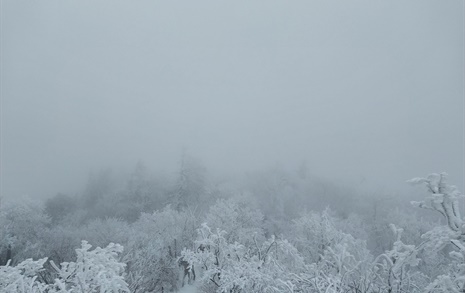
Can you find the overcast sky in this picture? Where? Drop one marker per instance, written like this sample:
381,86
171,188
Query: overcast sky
365,91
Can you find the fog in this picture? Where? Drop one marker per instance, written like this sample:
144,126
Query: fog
369,93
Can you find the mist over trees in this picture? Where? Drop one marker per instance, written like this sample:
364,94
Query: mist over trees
274,230
232,146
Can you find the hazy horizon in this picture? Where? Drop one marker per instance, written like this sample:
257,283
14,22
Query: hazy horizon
367,93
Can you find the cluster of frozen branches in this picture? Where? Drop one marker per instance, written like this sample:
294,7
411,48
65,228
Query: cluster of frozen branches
231,250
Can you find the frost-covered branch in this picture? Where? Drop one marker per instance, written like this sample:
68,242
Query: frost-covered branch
444,199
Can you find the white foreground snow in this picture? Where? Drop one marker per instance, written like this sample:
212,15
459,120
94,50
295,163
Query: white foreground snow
188,289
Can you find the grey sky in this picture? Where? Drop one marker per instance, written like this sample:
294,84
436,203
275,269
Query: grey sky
358,89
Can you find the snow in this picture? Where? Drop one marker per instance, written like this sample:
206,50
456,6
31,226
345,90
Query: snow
188,289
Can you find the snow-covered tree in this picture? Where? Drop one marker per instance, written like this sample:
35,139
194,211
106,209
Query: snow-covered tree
444,199
235,216
276,192
190,186
96,270
22,226
22,277
101,232
395,267
264,266
313,233
60,206
155,245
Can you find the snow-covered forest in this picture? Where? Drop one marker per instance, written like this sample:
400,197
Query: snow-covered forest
264,234
242,146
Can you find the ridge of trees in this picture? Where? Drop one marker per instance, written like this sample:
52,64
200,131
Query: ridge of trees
238,241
